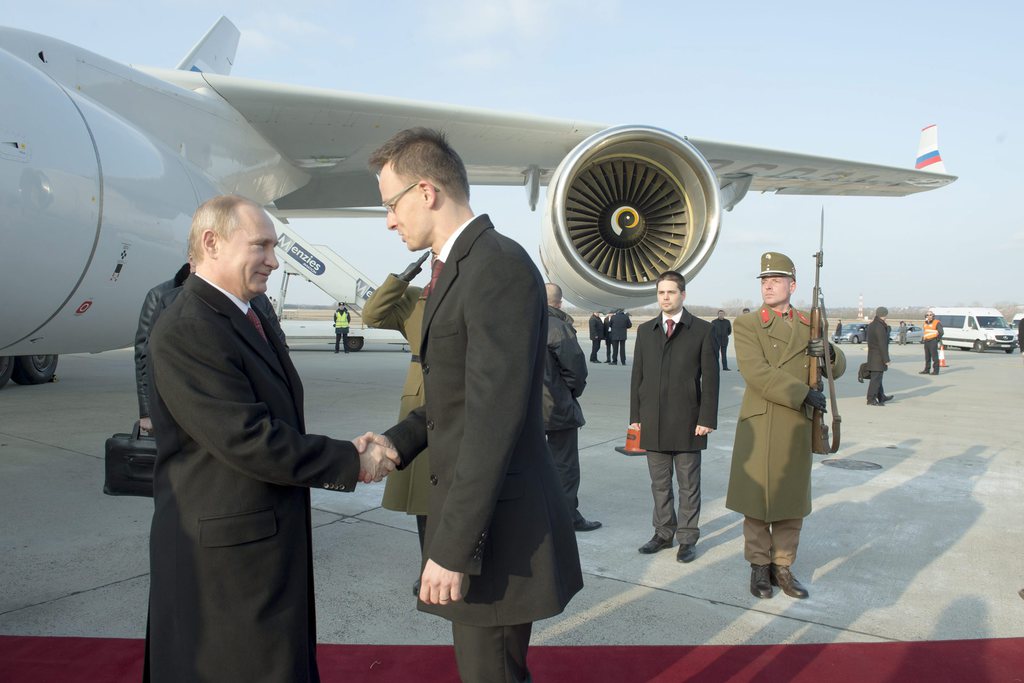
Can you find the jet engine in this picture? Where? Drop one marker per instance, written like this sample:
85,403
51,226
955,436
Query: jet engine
627,204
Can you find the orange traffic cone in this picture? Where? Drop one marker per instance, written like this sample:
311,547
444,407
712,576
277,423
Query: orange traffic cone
632,446
942,356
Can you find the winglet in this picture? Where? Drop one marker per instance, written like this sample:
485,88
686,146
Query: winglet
215,52
928,158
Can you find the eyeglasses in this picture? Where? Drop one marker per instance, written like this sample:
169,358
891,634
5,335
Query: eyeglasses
390,204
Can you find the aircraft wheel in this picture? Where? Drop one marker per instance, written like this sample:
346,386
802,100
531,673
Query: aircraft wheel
34,369
354,344
6,368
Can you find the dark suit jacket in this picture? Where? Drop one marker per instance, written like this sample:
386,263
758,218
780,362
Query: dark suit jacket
674,384
497,511
231,582
596,327
620,323
878,345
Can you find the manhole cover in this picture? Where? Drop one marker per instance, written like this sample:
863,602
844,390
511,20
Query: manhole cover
852,464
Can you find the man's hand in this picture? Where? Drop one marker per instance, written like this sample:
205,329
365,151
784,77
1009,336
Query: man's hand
377,457
634,425
701,430
816,348
413,269
816,400
146,425
439,586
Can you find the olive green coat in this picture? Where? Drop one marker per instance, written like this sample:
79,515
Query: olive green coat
397,306
770,478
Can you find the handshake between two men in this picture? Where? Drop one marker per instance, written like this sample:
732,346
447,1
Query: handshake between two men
377,457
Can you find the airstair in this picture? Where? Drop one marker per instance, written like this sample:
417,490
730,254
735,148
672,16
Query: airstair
322,266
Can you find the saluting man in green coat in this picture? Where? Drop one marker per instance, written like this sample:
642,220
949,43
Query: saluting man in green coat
770,480
396,305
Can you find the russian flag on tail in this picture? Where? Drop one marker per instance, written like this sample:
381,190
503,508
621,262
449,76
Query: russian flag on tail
928,158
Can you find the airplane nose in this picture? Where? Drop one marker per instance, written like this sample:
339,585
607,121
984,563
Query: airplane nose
49,197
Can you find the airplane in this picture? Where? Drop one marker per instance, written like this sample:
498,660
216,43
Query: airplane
102,165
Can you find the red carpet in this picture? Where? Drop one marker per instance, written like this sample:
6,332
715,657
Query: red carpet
26,659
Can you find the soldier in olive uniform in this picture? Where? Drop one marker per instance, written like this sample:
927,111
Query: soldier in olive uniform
770,479
397,306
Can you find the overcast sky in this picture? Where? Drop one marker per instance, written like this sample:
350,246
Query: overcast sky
856,81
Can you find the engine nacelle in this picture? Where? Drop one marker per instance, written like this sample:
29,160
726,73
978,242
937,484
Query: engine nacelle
627,204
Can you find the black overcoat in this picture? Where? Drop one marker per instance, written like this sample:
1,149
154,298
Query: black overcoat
231,582
878,345
497,510
674,385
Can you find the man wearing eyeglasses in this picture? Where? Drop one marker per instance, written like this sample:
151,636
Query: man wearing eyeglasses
500,550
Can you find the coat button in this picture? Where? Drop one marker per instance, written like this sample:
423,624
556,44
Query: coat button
426,369
433,480
430,424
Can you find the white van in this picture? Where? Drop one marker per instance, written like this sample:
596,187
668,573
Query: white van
976,328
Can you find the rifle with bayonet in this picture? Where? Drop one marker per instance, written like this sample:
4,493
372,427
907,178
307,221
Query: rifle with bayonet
822,366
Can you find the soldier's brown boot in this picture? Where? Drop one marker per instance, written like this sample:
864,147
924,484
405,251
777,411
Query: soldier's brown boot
760,582
784,579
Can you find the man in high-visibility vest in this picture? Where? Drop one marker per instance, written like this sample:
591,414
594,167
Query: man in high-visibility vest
932,337
341,320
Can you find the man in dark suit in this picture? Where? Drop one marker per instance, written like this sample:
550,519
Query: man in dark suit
878,356
721,329
500,551
673,400
596,335
231,578
620,323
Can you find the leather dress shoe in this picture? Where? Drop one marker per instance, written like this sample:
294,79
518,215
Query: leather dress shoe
585,525
686,553
655,544
935,372
925,372
760,581
784,579
875,403
885,399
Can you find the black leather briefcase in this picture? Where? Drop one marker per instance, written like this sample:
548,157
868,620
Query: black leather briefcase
129,460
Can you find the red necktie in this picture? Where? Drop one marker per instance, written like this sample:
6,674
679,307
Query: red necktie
670,325
254,319
435,272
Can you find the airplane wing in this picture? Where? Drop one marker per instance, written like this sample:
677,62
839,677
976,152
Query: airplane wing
330,135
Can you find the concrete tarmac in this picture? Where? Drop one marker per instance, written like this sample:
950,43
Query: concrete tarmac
928,546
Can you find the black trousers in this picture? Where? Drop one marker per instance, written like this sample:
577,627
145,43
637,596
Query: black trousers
595,347
931,355
492,654
341,337
565,452
608,350
722,347
875,390
618,350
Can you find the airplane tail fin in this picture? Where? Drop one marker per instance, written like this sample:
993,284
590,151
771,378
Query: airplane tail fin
928,158
215,52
